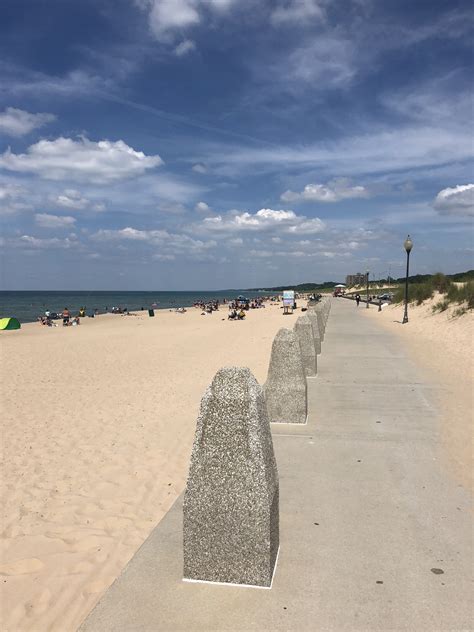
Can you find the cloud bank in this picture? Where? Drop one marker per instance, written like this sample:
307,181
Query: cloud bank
263,220
339,189
458,200
83,160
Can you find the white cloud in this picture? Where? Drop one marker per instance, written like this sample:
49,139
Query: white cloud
171,244
202,207
12,199
321,63
458,200
14,122
54,221
338,189
9,191
199,168
21,81
307,227
166,17
53,242
184,48
298,11
83,160
72,199
438,101
383,151
263,220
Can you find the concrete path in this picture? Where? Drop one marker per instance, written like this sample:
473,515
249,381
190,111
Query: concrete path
374,535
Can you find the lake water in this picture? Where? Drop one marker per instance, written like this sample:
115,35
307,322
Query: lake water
28,305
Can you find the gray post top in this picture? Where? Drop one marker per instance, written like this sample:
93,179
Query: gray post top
233,426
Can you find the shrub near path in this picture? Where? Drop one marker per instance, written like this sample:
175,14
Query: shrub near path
453,293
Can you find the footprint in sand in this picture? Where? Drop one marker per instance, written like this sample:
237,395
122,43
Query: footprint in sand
21,567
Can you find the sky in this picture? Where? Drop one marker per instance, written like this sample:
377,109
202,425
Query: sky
212,144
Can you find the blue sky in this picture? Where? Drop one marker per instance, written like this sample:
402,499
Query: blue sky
205,144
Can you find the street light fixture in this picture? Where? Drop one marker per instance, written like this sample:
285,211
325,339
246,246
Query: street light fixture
367,276
408,244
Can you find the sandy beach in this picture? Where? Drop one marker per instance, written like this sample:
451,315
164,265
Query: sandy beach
98,423
442,344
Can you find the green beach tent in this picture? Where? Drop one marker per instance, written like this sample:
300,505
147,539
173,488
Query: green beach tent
9,323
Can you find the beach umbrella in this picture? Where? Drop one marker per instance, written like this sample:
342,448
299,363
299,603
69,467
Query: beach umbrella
9,323
340,285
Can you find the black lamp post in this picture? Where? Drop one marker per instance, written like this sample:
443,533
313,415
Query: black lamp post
408,246
367,304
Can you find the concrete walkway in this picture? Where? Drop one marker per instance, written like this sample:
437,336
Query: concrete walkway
374,535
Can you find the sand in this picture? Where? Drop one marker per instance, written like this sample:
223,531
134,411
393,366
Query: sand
98,423
442,344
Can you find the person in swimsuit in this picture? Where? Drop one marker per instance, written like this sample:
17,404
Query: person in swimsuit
66,316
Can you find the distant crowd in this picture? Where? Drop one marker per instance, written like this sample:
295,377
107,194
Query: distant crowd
237,308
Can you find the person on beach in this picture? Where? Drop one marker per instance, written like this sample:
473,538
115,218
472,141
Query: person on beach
66,316
357,299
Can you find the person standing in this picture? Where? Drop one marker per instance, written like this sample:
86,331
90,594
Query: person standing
66,315
357,299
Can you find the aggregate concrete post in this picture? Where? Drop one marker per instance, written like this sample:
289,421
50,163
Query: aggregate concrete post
325,308
313,317
231,503
304,333
317,309
285,388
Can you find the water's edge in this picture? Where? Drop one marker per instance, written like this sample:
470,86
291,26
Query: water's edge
26,306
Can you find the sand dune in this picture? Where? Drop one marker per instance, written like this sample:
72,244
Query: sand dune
98,427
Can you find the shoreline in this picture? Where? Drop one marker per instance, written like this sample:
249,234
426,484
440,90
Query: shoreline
223,308
28,312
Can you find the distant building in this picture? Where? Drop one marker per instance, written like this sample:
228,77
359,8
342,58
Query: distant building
356,279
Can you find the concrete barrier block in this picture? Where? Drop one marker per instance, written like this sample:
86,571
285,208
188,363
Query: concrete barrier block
285,388
304,333
318,310
231,503
313,317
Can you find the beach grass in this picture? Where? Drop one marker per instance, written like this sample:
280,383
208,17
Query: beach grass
452,293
